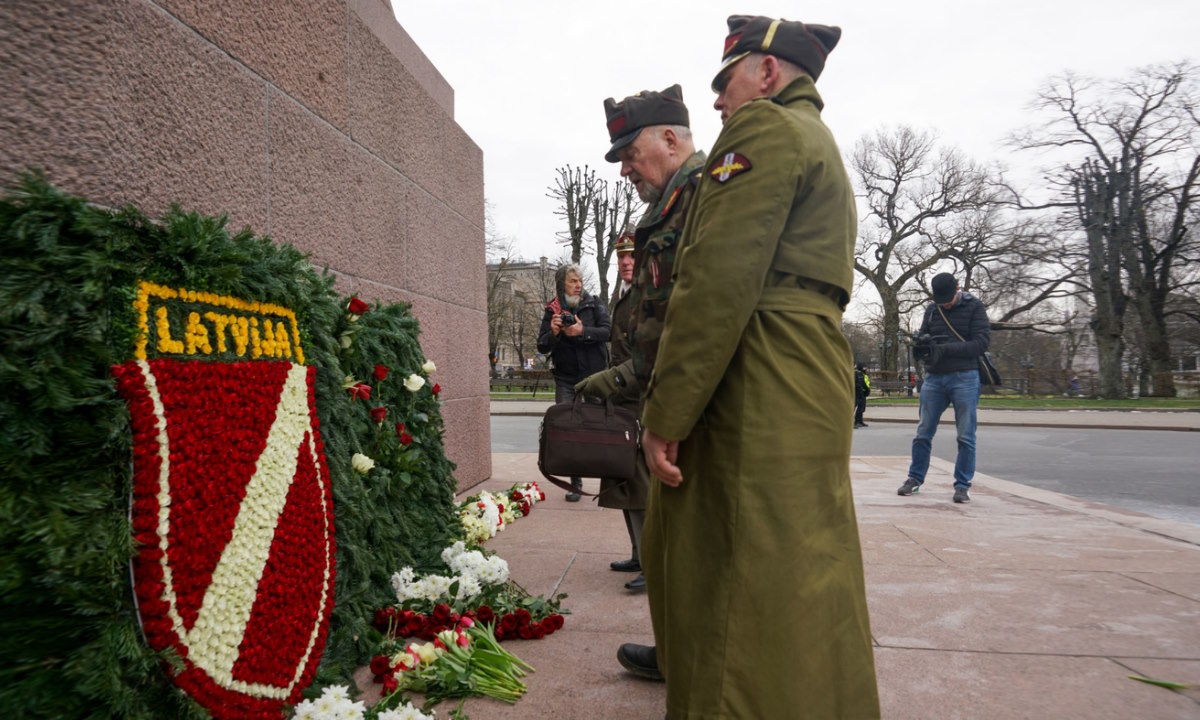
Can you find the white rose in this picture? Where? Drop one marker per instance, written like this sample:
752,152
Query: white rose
414,382
361,463
428,367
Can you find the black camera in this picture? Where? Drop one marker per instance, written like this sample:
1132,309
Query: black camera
568,318
923,345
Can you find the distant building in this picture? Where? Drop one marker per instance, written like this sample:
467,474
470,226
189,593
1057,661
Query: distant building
516,295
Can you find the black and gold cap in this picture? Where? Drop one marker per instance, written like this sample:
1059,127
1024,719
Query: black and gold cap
627,119
797,42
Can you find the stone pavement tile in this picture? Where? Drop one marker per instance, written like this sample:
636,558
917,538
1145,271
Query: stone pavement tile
1186,584
599,601
922,684
1047,542
1184,672
885,544
1013,611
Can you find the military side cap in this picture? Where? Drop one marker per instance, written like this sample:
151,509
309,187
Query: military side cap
796,42
627,119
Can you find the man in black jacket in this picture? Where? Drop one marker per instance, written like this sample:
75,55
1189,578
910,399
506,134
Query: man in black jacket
574,332
954,333
862,388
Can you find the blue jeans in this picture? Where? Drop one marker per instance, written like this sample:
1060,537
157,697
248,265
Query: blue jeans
940,391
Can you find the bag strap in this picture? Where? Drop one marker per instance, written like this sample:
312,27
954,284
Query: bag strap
947,321
564,484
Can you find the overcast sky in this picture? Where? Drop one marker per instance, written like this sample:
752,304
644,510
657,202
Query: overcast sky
530,78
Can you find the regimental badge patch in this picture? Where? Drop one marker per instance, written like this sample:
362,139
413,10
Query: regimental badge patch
728,165
233,515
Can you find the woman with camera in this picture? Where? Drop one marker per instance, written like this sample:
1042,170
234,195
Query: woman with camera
574,333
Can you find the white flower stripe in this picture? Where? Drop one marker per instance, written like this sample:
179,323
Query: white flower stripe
214,640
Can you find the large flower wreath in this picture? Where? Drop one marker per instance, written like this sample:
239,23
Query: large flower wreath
232,503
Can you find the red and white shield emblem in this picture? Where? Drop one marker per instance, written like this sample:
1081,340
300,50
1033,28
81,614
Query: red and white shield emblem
233,511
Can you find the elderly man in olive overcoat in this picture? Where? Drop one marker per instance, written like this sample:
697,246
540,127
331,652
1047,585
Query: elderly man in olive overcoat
750,550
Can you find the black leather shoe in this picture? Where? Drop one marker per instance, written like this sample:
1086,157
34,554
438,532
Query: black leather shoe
640,660
573,497
638,583
630,565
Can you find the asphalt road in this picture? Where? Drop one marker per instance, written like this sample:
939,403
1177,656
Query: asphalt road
1153,472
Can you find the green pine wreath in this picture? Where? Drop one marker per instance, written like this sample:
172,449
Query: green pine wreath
68,278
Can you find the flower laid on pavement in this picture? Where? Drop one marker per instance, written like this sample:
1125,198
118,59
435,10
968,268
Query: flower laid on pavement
477,587
334,704
462,661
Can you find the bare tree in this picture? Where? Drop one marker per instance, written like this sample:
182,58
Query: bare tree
931,208
574,189
500,251
1131,185
612,208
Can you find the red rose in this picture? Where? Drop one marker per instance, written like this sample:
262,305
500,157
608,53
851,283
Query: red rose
390,683
539,631
508,624
406,439
558,621
436,389
380,664
485,614
378,414
523,617
441,612
358,307
399,429
360,390
381,372
525,632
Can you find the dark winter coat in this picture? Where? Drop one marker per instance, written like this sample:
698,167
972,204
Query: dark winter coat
969,318
574,358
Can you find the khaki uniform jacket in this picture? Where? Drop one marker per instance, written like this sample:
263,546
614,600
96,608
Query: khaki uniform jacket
753,565
643,309
614,493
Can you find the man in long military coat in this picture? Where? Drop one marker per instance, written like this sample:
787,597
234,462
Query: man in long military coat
750,550
652,140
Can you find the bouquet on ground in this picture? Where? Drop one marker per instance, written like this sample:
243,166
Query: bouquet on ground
488,513
477,587
335,704
460,662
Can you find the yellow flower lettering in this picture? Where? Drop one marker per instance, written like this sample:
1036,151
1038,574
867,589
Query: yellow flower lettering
165,343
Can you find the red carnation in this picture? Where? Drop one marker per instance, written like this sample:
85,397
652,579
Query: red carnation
378,414
436,389
358,307
381,372
381,664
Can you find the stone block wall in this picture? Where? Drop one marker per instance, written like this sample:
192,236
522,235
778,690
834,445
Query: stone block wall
318,122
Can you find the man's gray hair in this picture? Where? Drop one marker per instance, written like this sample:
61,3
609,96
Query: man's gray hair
560,276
